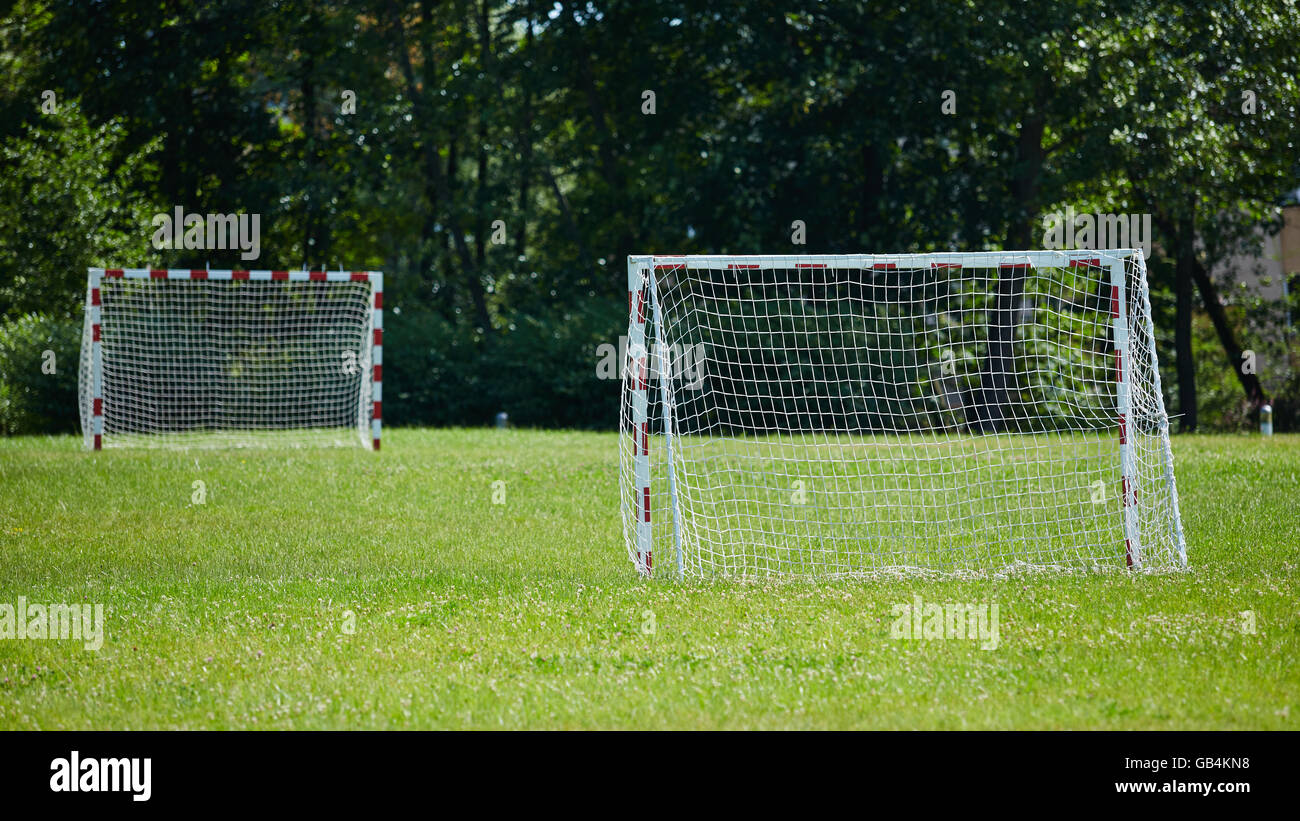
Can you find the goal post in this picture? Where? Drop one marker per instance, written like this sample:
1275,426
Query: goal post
231,358
846,414
1123,407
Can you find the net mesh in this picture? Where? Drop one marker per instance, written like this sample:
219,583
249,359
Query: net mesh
222,363
836,416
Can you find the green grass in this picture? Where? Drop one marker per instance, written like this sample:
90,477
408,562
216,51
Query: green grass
468,614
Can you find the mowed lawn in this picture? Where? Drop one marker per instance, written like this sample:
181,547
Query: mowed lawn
347,589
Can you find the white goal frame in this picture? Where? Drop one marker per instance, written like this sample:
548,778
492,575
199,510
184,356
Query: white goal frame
92,388
651,459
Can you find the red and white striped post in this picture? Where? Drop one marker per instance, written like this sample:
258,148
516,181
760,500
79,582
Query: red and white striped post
639,382
96,360
1119,318
376,353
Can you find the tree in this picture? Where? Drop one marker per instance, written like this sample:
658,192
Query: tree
73,197
1199,156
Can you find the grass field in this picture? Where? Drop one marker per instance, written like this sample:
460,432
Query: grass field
346,589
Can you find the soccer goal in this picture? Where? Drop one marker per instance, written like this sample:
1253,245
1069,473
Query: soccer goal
841,415
200,358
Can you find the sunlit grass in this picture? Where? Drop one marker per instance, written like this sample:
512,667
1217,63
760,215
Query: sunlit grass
349,589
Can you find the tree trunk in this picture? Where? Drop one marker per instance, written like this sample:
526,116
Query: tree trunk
1184,262
606,142
872,189
311,245
1214,306
429,148
584,259
991,406
525,138
1030,157
480,195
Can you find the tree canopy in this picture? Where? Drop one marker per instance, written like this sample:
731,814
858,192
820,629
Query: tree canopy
499,160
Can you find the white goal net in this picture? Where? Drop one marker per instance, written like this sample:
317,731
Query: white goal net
841,415
231,358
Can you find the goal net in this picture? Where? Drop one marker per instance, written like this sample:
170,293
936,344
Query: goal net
231,358
840,415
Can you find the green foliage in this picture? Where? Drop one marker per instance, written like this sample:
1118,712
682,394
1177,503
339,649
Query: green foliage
1219,391
547,367
436,379
529,115
69,199
32,400
542,371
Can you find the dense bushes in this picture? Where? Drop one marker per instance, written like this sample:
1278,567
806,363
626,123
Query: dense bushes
32,398
430,370
545,369
539,370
